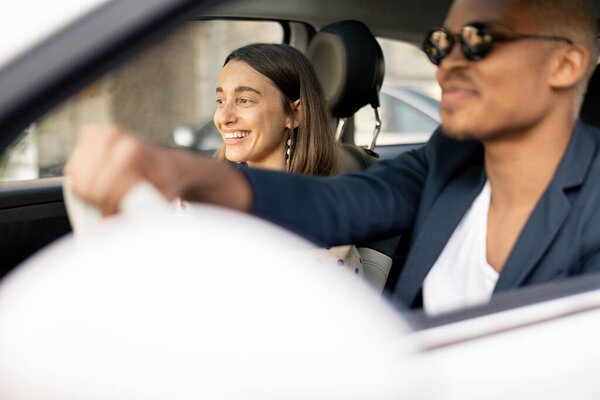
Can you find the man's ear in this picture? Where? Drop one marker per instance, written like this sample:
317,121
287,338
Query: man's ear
296,107
571,63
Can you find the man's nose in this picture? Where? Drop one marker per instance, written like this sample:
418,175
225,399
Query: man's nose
455,58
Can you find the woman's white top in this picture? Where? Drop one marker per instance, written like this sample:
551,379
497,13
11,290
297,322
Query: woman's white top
461,276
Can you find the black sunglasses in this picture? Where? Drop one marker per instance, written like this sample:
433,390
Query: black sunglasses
476,41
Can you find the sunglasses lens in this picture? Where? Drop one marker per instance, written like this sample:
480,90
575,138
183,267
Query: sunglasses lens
437,45
476,41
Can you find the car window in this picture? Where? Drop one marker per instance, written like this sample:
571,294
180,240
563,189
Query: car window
403,117
409,99
164,91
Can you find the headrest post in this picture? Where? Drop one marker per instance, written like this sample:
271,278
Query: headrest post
340,128
377,128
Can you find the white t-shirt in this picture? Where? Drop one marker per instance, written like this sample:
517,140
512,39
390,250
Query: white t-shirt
461,276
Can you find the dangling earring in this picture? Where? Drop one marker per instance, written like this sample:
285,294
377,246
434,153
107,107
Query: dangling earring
288,147
288,151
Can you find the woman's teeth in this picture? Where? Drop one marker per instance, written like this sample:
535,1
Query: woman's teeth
236,135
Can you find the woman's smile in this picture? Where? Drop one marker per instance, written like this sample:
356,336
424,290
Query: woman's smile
235,137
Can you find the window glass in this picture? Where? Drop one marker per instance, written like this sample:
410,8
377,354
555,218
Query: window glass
405,118
167,93
409,100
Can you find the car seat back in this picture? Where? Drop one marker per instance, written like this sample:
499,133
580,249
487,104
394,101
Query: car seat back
350,66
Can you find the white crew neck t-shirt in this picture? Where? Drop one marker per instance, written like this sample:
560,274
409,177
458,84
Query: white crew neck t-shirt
461,276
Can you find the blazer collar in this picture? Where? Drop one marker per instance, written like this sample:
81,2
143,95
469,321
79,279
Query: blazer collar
551,211
573,167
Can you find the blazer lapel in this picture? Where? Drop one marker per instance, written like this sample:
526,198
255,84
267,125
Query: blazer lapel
445,214
550,212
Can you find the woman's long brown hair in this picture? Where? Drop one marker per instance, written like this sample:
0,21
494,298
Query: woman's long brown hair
313,147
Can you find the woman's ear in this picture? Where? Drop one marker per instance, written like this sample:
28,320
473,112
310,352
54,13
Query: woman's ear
570,65
296,107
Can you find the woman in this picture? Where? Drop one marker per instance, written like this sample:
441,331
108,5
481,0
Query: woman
274,88
271,113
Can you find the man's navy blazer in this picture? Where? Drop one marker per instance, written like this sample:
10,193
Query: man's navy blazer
426,192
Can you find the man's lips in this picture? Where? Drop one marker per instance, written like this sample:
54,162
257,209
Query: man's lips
454,95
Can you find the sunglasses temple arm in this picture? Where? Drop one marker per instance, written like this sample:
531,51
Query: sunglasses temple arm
498,38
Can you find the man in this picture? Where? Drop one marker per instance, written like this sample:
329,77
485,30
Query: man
503,195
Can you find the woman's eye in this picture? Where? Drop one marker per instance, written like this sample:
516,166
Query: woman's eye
220,101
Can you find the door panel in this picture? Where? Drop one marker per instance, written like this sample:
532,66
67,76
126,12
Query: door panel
32,214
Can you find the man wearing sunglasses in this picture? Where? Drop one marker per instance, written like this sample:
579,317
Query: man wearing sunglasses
505,194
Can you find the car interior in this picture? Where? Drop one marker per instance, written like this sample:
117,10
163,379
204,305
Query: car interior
338,36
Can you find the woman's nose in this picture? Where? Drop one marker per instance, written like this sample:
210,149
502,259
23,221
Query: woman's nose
225,114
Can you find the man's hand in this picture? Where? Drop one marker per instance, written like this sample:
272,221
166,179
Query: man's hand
108,160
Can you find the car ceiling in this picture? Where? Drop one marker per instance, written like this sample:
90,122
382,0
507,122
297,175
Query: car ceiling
398,19
406,19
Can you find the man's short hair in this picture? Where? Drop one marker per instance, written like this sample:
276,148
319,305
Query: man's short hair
574,19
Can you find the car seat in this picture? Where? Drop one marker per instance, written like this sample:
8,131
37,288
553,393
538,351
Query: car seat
350,66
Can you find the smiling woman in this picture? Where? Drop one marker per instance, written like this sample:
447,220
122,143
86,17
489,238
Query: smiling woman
272,113
253,120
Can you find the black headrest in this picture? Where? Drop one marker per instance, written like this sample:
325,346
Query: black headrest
349,63
590,110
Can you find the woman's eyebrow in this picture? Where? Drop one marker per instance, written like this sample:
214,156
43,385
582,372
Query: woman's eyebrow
240,89
246,89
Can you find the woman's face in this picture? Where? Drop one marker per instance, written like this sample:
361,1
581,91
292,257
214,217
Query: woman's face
251,117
